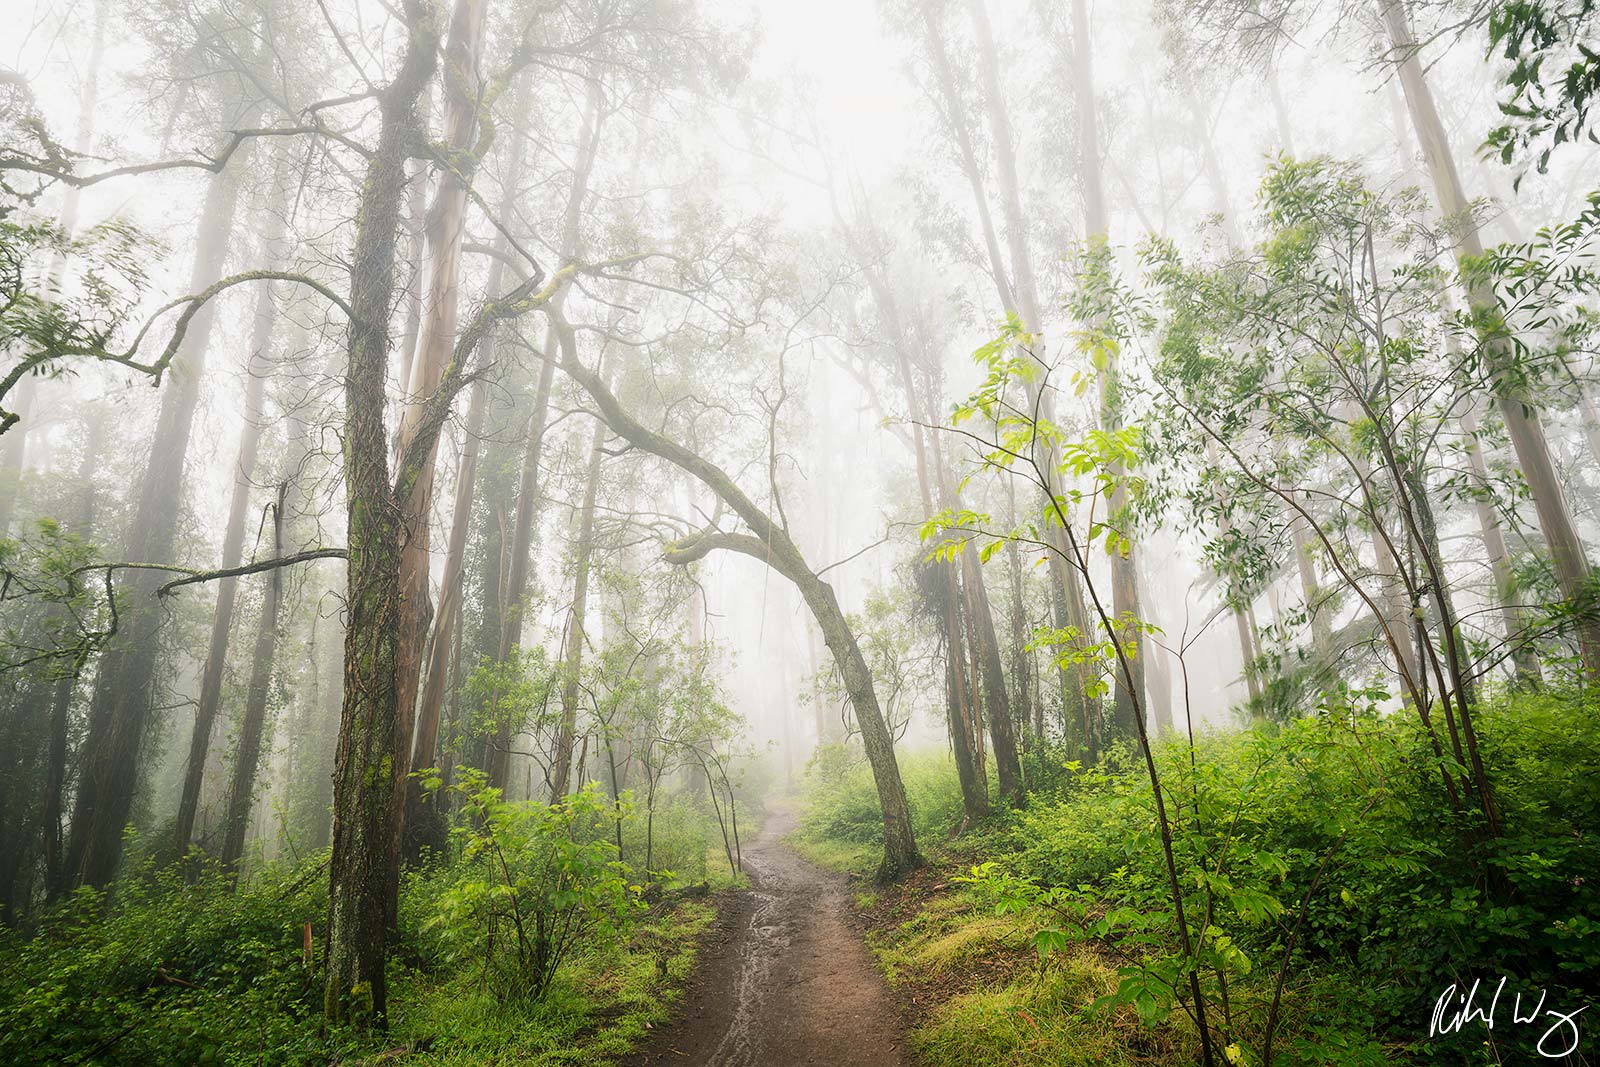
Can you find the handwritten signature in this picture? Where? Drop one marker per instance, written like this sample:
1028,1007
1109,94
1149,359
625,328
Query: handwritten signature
1455,1009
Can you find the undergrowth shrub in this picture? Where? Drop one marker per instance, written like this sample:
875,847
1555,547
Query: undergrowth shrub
533,882
165,972
1340,815
1325,849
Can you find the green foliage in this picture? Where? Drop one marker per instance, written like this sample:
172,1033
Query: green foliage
512,694
163,971
63,296
1338,813
51,615
1546,104
170,973
534,881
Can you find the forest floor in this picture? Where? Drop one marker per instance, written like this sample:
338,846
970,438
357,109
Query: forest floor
783,978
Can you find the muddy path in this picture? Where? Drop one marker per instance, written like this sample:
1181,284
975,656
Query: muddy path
783,978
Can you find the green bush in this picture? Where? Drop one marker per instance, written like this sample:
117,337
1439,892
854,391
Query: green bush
534,881
1342,813
163,972
170,973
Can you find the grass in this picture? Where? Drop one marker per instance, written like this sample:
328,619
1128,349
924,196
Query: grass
1040,1019
981,997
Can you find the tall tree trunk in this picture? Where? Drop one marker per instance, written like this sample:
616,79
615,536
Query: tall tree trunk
369,776
246,761
256,371
1002,731
958,709
1311,593
1124,570
1158,690
1522,421
1524,658
514,591
125,684
1066,597
445,226
1029,704
572,658
55,779
1010,186
421,828
449,615
933,485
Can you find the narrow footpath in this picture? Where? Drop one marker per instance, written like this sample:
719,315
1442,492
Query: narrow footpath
782,979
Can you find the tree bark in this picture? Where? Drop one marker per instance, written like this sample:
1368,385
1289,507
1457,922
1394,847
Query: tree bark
449,616
246,761
421,829
443,231
1002,731
369,777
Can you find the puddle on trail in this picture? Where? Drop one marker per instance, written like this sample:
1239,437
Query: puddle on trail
771,929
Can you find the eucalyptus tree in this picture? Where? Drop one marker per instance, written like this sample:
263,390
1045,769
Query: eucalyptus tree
1340,302
126,676
372,765
467,91
1124,582
257,369
1522,420
954,595
956,91
512,608
1248,27
711,282
577,637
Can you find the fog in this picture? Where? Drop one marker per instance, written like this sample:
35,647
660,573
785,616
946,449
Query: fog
516,387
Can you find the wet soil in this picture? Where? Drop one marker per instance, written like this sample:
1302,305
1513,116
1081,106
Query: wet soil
783,978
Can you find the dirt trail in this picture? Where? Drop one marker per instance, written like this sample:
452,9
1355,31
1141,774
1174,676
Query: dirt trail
783,979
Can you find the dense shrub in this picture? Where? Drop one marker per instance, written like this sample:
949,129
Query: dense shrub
533,882
163,972
1341,814
170,973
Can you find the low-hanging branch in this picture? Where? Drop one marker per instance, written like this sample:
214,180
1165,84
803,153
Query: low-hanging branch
215,163
190,577
157,368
